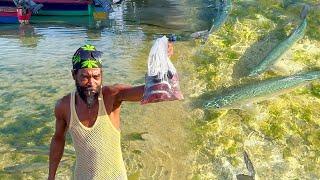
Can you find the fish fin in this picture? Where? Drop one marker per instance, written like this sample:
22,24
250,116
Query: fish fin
309,86
200,34
278,69
250,107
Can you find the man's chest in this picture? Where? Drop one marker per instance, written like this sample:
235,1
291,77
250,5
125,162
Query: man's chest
89,118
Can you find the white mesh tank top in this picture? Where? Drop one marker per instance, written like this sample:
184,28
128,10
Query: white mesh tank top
98,148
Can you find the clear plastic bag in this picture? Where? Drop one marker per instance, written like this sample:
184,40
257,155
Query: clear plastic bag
162,80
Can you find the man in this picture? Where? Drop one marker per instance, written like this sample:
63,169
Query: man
91,114
106,4
28,4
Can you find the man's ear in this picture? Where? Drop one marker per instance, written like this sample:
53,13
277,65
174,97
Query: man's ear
73,74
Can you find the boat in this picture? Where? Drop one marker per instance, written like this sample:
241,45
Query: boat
59,7
13,15
8,15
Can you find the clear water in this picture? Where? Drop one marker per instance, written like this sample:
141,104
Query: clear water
171,140
35,63
280,132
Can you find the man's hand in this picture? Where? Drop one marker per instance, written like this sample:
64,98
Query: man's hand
170,49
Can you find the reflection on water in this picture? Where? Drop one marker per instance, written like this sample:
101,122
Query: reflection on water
25,33
35,62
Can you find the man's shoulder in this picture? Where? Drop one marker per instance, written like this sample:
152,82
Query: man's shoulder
63,103
110,90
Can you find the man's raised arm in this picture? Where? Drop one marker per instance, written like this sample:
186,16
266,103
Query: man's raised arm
129,93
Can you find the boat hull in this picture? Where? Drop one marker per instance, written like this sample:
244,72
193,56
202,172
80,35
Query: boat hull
59,7
8,19
8,15
64,8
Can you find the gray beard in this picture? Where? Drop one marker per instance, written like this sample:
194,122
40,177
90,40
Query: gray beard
87,95
91,98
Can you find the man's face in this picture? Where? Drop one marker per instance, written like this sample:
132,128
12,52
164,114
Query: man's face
88,83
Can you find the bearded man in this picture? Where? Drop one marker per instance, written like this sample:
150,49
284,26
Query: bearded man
91,114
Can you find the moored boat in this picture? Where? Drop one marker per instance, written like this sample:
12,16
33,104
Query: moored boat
8,15
59,7
12,15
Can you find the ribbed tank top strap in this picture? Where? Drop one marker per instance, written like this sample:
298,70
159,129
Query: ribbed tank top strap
103,112
102,108
72,109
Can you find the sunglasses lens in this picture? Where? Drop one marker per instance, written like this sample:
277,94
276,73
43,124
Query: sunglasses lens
84,55
96,54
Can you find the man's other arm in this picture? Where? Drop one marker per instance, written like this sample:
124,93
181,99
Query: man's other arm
58,140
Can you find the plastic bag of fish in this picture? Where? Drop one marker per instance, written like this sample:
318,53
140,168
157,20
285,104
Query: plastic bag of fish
162,80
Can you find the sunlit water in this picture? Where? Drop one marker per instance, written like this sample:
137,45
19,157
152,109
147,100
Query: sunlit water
171,140
35,63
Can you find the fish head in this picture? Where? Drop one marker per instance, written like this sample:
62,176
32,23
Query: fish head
212,105
217,103
254,73
224,103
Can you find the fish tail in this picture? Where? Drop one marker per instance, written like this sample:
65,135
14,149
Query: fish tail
299,32
304,11
311,75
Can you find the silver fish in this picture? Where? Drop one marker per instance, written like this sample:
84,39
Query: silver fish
222,9
260,89
221,19
282,47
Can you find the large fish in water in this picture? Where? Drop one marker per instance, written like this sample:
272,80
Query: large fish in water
281,48
224,13
223,9
262,89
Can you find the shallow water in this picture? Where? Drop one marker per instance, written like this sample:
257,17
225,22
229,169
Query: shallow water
172,140
35,63
280,131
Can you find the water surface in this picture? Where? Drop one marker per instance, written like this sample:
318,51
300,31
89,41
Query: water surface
35,63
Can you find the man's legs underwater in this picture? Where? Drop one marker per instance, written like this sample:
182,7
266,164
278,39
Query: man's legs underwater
105,4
